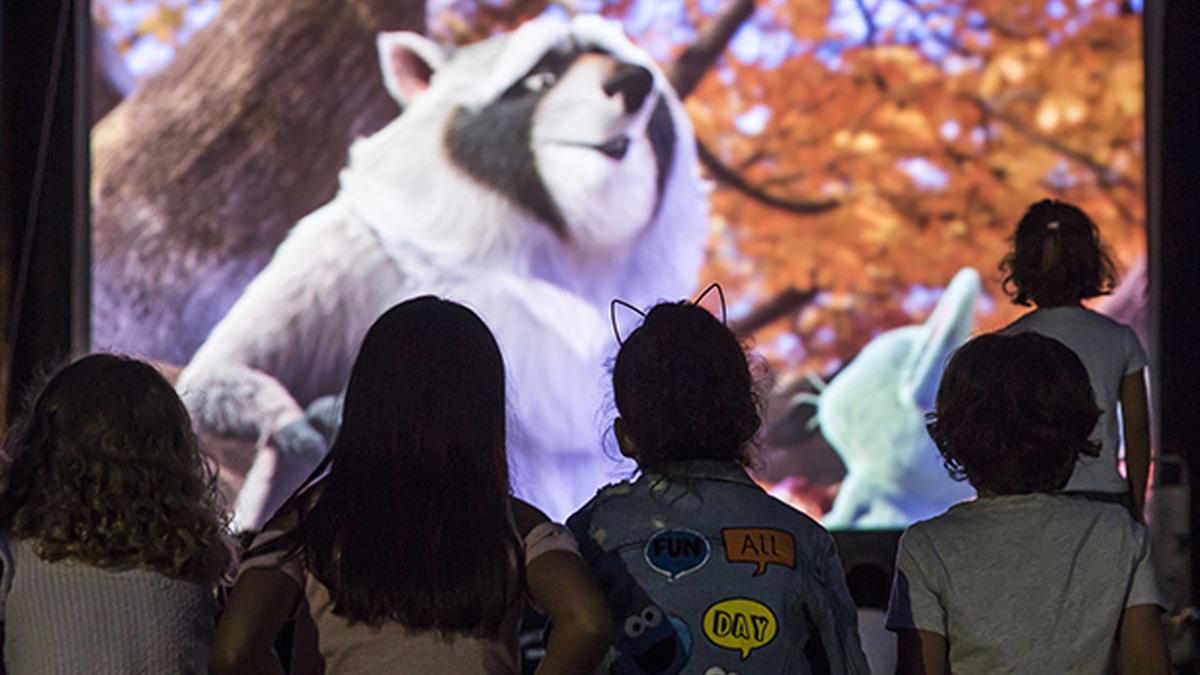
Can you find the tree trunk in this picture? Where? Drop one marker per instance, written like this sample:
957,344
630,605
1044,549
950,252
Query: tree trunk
198,176
111,79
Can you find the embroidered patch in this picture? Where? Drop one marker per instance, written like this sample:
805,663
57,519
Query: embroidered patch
677,552
740,624
761,546
651,643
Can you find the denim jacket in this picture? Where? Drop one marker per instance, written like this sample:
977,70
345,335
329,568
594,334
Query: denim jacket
705,573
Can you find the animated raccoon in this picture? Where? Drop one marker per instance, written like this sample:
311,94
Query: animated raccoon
533,177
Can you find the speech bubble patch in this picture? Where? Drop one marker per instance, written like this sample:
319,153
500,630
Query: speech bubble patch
760,545
740,624
677,552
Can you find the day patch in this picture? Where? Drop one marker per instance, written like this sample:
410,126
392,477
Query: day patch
740,624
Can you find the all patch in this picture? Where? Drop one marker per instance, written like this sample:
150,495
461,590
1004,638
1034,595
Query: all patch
759,545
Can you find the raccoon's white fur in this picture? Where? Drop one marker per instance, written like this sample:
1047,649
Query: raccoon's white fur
424,208
873,414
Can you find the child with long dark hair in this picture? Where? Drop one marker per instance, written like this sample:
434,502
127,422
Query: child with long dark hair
111,534
1023,579
1056,263
703,570
409,555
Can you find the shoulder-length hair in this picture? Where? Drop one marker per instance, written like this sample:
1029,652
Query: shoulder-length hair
412,523
683,388
1057,257
105,469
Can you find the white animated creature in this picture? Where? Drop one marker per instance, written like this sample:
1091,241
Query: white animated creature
533,177
873,414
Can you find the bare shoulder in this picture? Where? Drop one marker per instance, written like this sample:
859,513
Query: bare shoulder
526,516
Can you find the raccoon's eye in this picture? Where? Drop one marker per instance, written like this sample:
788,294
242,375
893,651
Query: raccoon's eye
538,82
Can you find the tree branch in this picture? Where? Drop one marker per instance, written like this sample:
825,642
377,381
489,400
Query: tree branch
782,179
727,176
949,42
1106,175
868,19
691,66
695,61
786,302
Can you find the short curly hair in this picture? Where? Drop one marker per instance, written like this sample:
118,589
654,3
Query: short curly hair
106,470
683,388
1057,258
1013,414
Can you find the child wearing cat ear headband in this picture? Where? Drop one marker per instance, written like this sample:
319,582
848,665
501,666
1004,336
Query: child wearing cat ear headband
694,540
1057,262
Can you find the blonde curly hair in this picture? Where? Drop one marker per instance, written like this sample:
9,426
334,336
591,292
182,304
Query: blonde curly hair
106,470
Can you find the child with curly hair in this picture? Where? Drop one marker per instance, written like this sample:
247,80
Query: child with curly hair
111,537
1056,263
1022,579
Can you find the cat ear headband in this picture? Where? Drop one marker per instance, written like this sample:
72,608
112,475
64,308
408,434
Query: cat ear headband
617,302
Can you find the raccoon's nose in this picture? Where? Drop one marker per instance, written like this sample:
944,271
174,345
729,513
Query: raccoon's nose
632,82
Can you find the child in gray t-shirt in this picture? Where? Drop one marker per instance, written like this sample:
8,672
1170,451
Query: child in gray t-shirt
1057,262
1022,579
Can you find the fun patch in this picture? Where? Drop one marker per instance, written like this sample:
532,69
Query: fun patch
740,624
677,552
761,546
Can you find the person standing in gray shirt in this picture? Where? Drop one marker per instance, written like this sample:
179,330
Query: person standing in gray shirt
1057,263
1023,579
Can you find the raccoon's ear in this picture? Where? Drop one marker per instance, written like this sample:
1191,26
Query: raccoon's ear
408,61
946,329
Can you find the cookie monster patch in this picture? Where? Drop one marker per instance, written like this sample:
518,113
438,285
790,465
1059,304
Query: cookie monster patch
652,643
675,553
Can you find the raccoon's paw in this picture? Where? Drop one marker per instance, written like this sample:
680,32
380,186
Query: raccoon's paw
298,443
325,416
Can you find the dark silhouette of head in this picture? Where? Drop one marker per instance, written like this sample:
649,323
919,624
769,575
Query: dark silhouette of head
1057,258
105,469
412,523
869,584
683,390
1013,414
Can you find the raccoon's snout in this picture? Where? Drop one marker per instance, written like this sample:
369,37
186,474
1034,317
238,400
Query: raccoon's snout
632,82
615,147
